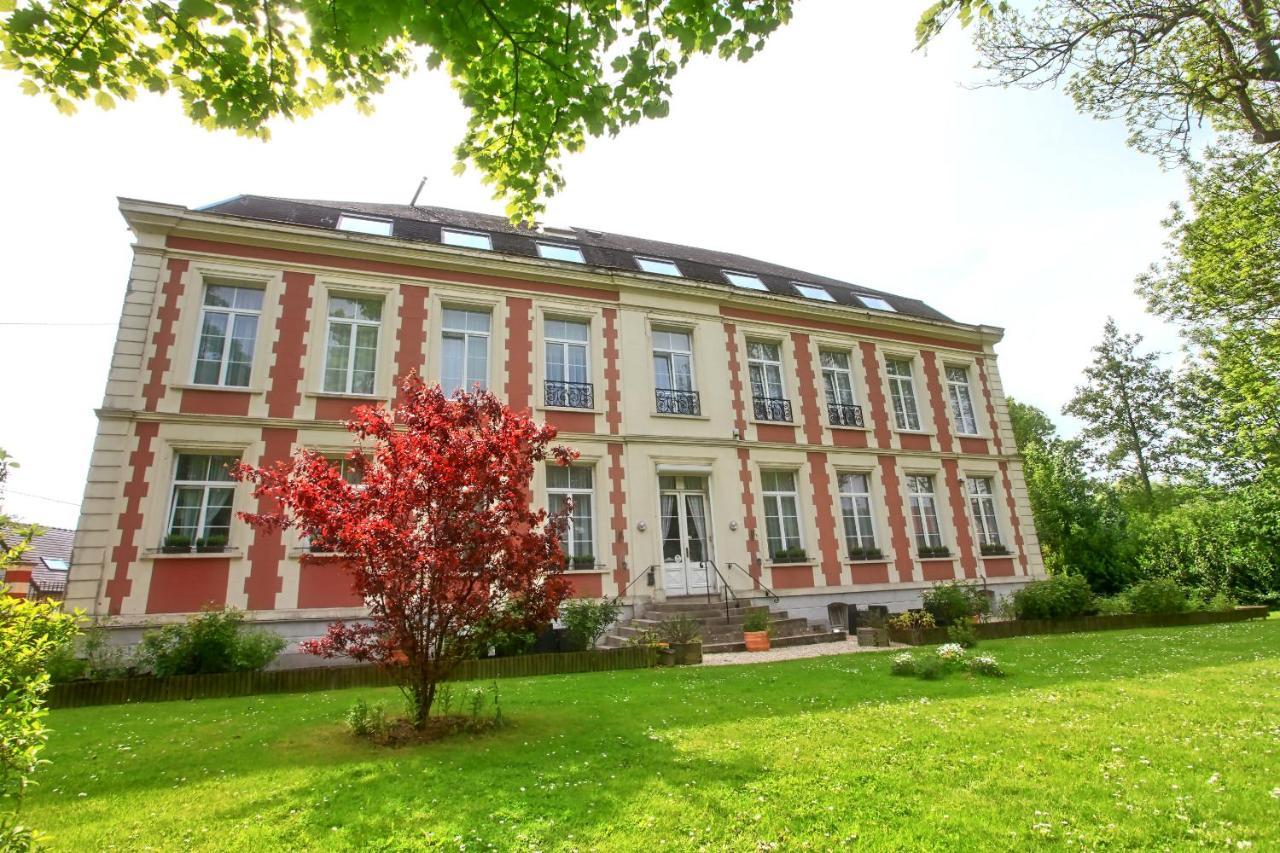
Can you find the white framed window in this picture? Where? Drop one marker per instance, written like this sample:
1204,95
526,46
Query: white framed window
228,332
781,515
673,373
837,381
961,400
200,500
855,505
574,482
464,350
875,302
568,379
764,364
902,389
466,239
365,225
658,266
560,252
924,512
813,291
982,503
747,281
351,354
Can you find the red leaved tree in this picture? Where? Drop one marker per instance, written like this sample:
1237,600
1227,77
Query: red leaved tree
439,534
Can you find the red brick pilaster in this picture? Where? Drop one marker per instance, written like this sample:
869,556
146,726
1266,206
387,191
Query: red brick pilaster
618,520
749,512
412,333
284,386
994,425
167,317
959,519
809,408
267,548
520,353
828,542
929,361
875,395
130,521
612,373
735,379
1013,515
897,519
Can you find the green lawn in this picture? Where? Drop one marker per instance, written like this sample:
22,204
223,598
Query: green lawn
1151,738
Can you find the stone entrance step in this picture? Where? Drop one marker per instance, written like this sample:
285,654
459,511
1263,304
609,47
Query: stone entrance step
816,635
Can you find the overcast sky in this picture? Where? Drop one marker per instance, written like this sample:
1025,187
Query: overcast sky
838,150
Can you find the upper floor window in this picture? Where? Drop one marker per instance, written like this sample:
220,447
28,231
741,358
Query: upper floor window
352,356
657,266
924,513
813,291
560,252
903,390
875,302
673,373
745,280
781,515
568,376
200,505
228,332
574,482
982,502
855,505
769,398
365,225
465,239
465,350
837,379
961,401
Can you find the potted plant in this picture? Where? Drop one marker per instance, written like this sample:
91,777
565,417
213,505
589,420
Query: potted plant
681,633
582,562
755,631
993,549
794,554
211,544
865,554
176,543
871,630
929,551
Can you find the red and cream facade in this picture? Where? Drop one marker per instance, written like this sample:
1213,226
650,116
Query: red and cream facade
637,458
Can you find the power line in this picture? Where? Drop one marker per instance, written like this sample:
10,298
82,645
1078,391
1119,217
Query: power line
23,323
41,497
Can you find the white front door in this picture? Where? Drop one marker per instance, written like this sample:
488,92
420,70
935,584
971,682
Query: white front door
686,540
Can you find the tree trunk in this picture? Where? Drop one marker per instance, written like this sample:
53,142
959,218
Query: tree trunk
1136,437
423,695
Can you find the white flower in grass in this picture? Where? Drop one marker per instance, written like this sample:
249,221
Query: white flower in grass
951,652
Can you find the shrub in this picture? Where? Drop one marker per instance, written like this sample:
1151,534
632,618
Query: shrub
1057,597
963,634
955,601
984,665
757,620
915,622
365,720
208,642
680,630
1112,605
903,663
90,656
931,668
30,632
951,653
1159,595
585,619
1222,601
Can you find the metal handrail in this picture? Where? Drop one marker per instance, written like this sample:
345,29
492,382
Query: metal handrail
634,581
755,580
724,588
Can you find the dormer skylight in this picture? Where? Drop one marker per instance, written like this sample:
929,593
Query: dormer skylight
364,225
813,291
875,302
745,280
465,239
560,252
657,266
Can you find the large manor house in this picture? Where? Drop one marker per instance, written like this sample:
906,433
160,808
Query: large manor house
742,425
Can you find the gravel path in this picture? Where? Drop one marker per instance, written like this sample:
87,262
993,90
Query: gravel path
816,650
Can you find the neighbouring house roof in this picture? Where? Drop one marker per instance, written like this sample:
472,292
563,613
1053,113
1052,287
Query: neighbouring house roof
49,556
599,248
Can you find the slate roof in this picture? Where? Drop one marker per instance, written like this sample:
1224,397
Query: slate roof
53,544
599,248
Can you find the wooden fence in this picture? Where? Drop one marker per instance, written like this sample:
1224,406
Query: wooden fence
79,694
1025,627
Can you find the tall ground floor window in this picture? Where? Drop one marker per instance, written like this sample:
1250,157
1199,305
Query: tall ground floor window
781,515
201,498
924,513
982,503
574,482
855,505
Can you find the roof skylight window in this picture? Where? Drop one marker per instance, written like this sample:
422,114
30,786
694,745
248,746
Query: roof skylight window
813,291
875,302
657,266
560,252
745,280
56,564
465,239
364,225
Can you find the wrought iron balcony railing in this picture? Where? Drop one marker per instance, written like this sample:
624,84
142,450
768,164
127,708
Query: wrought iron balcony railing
673,402
771,408
571,395
845,414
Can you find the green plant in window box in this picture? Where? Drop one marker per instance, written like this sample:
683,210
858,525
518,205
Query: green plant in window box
211,544
865,554
994,549
582,562
790,555
931,551
176,543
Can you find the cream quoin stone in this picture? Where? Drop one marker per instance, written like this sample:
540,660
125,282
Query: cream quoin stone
641,461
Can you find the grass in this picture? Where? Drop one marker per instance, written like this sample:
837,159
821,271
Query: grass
1150,738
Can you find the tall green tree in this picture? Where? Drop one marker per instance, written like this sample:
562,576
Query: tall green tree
538,76
1127,405
1165,67
1220,282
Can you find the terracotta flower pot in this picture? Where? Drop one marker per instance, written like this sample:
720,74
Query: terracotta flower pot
757,641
